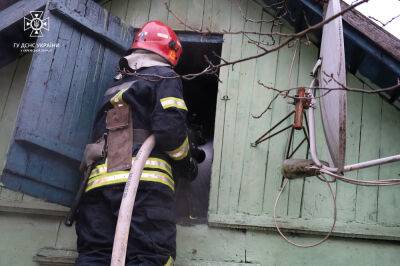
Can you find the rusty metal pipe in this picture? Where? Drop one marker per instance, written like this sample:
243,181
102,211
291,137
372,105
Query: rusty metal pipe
299,107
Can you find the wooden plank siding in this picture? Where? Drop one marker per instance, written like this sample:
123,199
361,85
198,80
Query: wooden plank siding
277,146
346,193
231,95
307,57
242,190
366,199
388,207
61,94
265,72
12,81
245,180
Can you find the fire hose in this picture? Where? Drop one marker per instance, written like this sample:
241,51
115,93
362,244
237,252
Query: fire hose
127,203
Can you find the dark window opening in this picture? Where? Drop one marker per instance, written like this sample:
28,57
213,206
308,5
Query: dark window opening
201,98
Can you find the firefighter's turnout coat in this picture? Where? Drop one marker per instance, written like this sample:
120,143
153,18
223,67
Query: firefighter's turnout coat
155,96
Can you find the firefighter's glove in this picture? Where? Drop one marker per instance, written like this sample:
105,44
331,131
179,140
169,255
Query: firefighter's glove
193,169
197,154
93,152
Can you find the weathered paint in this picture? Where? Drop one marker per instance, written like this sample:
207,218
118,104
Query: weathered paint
243,190
244,177
12,81
197,246
22,235
63,87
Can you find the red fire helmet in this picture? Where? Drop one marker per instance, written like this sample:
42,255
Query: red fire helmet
159,38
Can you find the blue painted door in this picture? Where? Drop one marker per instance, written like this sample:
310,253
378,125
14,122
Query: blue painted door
60,98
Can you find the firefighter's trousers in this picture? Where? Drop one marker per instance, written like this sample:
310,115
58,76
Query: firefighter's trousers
152,233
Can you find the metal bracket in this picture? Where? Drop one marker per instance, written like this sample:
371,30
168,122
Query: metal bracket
316,67
225,98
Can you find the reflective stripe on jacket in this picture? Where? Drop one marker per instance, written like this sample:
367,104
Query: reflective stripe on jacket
158,107
156,170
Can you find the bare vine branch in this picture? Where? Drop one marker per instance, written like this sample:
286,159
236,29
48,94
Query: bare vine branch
212,69
273,20
285,93
383,24
286,40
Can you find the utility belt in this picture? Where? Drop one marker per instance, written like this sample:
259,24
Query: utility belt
98,150
155,170
116,148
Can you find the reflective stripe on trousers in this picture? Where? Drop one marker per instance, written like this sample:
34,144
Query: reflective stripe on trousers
170,262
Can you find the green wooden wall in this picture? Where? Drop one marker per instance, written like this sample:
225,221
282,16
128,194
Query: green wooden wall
245,180
12,81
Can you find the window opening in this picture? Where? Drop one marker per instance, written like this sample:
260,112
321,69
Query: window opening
200,95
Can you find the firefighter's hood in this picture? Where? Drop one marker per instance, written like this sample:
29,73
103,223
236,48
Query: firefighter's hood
141,58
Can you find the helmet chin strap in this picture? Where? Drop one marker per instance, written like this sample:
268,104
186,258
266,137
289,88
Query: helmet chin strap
137,60
124,64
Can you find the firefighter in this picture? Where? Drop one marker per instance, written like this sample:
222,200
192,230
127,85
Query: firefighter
146,100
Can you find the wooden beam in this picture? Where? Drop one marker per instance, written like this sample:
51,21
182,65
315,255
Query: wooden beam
193,37
372,31
299,225
395,96
64,257
53,256
34,208
17,11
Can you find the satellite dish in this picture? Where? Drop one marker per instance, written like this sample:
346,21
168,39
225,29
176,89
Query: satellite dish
333,104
